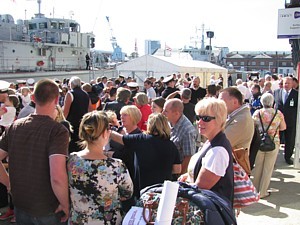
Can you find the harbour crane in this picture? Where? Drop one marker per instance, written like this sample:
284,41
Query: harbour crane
117,55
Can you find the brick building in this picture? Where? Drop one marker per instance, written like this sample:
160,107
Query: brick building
262,62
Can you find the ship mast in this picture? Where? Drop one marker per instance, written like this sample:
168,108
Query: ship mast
39,15
202,38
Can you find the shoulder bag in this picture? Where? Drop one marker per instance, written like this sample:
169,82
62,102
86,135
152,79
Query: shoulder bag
244,191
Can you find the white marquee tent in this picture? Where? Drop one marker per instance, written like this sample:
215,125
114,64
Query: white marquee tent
157,66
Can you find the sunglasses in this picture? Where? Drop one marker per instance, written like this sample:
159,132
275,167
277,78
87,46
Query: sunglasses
205,119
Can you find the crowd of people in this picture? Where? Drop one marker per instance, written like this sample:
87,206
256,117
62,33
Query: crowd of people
80,153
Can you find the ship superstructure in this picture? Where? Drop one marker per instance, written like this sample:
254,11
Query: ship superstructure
42,44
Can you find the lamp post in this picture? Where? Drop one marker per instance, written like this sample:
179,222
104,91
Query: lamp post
210,35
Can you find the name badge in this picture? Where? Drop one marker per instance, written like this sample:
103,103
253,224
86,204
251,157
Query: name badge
292,103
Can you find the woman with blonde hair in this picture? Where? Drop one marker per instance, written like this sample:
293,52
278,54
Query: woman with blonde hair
59,117
157,157
211,167
97,184
130,116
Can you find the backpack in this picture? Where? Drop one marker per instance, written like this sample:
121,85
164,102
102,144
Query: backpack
267,143
193,205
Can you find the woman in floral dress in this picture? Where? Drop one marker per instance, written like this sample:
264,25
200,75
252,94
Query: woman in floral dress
97,183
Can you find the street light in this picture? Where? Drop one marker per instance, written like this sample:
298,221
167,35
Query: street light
210,35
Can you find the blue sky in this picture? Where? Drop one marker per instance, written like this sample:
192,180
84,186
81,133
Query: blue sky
244,25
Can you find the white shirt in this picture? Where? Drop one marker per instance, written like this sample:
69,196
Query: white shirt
151,94
8,117
216,161
283,95
245,91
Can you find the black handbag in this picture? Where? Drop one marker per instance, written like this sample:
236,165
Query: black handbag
267,143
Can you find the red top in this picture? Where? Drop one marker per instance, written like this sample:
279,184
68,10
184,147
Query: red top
146,111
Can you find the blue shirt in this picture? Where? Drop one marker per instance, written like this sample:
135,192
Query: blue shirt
184,136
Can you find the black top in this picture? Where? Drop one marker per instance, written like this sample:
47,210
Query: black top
225,185
168,91
154,159
79,107
127,157
189,111
197,95
114,106
289,109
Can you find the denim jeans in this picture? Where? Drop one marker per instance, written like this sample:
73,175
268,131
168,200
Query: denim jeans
24,218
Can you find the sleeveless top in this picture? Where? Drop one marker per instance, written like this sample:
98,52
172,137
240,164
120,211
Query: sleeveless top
79,106
225,185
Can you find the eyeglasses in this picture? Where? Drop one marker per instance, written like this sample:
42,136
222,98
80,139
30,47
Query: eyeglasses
205,119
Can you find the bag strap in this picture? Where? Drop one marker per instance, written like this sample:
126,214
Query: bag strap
263,129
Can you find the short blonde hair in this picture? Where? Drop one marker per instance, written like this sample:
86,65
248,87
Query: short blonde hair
158,125
92,126
134,113
213,107
141,98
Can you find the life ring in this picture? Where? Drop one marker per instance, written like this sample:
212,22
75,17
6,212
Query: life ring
40,63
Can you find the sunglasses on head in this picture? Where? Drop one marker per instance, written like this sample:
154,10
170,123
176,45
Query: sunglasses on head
205,118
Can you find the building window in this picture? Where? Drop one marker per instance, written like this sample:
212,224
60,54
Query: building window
242,63
42,25
253,63
283,63
262,63
271,63
235,63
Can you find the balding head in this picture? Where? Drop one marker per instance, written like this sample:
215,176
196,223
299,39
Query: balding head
173,110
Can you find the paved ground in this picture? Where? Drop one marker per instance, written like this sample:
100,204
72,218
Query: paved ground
282,207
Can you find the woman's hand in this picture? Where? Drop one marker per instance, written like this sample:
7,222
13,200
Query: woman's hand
183,177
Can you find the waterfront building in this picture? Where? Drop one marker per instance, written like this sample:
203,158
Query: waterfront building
263,62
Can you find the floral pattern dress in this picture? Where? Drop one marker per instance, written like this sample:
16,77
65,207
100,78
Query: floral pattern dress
96,187
266,116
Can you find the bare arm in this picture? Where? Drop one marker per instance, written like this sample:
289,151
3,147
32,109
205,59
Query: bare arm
206,179
172,95
282,125
115,136
176,169
90,106
67,104
59,183
185,163
4,179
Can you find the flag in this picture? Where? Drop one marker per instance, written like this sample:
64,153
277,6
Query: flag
168,48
